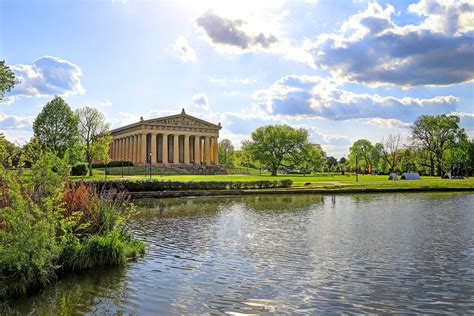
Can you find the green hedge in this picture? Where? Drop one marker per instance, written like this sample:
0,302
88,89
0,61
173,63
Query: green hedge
80,169
157,185
113,164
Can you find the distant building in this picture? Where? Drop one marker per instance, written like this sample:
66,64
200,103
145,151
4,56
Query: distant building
171,140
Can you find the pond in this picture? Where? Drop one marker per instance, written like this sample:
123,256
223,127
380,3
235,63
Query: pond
299,254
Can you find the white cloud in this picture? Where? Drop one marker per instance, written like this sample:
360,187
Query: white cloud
8,100
387,123
12,122
259,31
370,48
313,96
200,101
232,81
184,51
47,76
451,17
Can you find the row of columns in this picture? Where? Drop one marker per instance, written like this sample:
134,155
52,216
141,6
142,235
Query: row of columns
166,149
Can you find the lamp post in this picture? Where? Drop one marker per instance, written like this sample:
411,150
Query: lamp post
150,164
122,165
357,168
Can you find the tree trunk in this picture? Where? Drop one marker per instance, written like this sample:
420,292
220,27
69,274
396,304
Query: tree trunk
431,166
90,167
274,171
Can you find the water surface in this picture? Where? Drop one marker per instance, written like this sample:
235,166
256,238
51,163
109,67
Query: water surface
300,254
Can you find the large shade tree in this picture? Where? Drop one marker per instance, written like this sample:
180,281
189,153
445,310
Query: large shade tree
92,126
56,127
276,146
438,135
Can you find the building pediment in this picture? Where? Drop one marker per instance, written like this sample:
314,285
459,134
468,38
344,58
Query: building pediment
183,120
179,122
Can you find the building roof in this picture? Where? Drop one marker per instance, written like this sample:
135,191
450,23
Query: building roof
169,120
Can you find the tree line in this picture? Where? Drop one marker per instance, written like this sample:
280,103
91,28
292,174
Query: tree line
436,145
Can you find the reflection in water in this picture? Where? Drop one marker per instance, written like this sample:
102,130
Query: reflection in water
75,294
381,253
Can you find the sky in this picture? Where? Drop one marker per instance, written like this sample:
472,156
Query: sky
343,70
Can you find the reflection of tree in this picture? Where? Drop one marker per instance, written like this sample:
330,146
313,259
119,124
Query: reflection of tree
73,294
280,203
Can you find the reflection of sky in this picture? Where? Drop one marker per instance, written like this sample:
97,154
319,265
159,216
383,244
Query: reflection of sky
361,253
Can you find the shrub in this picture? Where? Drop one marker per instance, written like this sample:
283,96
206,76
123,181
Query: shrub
80,169
158,185
113,164
49,226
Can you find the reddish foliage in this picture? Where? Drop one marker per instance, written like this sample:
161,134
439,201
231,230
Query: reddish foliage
82,199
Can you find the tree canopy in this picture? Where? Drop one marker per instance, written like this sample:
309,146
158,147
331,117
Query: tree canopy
92,125
56,127
438,135
226,149
276,146
7,79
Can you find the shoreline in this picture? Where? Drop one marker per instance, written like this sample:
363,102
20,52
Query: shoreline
198,193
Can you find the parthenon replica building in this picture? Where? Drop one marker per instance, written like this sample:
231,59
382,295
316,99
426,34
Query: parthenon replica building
171,140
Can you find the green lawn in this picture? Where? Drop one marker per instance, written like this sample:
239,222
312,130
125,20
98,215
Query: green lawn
316,181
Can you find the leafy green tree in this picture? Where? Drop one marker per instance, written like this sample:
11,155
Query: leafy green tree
438,135
310,158
56,126
7,79
100,147
331,162
92,123
470,157
225,152
365,152
276,146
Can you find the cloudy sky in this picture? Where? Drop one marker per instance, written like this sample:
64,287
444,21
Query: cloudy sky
344,69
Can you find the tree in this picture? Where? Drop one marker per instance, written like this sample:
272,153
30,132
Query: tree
365,153
438,135
276,146
57,127
331,162
100,146
311,157
7,79
92,123
390,150
225,152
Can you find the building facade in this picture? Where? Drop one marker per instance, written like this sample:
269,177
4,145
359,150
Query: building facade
172,140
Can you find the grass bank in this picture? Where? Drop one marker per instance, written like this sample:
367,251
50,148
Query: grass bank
325,181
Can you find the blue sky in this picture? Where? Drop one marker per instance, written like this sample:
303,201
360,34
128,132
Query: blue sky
342,69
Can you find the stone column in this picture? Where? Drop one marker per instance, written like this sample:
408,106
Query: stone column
142,148
122,148
137,149
216,151
129,152
165,148
116,152
186,149
125,147
176,149
154,156
132,151
197,151
207,150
